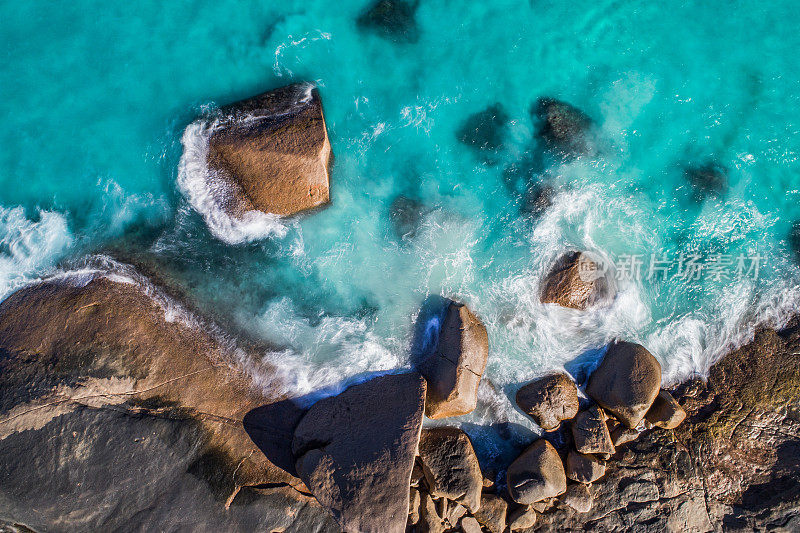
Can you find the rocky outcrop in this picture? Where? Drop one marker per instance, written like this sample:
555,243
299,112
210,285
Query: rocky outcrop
549,400
450,466
566,130
103,399
454,369
273,151
626,382
355,451
536,474
732,465
577,280
484,132
391,19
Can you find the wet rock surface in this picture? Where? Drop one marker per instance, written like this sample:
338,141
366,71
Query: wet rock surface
577,280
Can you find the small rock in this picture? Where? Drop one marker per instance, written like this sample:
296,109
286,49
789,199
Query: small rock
415,501
430,521
626,382
492,513
578,497
566,130
454,513
470,525
549,400
584,468
623,435
522,518
391,19
665,412
536,474
455,369
578,280
590,432
450,465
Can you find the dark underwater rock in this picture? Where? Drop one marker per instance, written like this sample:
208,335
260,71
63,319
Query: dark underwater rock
273,149
707,180
484,132
566,130
406,215
538,199
392,19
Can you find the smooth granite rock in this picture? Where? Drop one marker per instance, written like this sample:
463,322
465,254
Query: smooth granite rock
549,400
536,474
450,465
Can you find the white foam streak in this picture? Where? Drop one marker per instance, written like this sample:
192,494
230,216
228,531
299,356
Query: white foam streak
208,193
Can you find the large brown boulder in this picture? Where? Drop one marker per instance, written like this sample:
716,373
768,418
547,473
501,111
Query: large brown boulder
134,406
584,468
626,382
577,280
273,149
590,432
455,368
549,400
450,465
536,474
355,451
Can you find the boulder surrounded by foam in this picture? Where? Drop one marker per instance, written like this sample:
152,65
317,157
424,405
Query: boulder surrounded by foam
273,149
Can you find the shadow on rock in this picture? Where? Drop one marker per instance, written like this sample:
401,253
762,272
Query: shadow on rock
271,427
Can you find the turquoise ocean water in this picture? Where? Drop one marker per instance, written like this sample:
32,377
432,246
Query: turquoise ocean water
96,96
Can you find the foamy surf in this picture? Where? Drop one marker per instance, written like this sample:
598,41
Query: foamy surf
208,193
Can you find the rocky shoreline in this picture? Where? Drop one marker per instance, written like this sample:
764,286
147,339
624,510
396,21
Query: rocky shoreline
112,414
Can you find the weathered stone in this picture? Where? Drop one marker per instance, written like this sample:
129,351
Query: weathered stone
521,518
549,400
584,468
665,412
430,520
417,474
470,525
536,474
414,504
391,19
578,280
590,432
273,152
623,435
454,513
492,513
626,382
454,370
94,376
566,130
450,466
355,451
578,497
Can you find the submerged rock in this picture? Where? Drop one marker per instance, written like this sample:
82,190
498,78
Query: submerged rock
565,129
392,19
484,132
133,408
536,474
539,199
707,180
665,412
549,400
450,466
579,281
355,451
454,369
406,215
273,151
626,382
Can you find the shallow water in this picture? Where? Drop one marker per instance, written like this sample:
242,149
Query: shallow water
97,96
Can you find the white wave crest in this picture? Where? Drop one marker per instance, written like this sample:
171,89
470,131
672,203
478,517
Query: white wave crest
27,247
208,193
